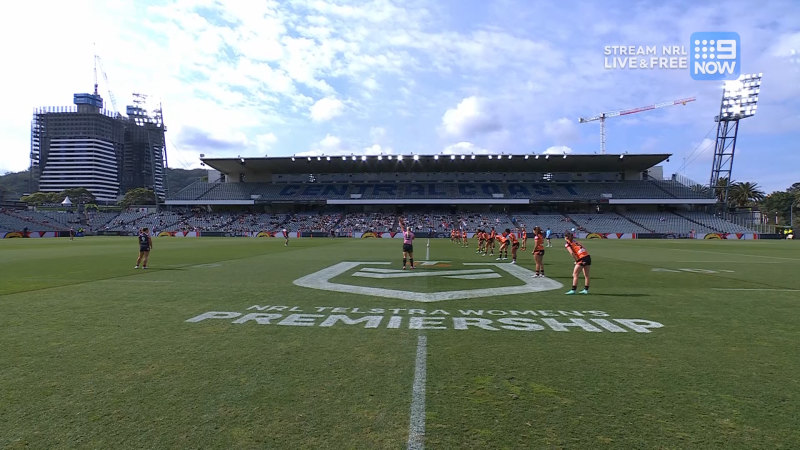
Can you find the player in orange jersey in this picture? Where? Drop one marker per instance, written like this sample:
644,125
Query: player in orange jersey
582,262
538,251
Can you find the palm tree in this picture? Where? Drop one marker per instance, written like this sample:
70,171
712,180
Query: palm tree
719,189
745,194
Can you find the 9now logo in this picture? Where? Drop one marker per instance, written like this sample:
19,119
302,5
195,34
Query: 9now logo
715,55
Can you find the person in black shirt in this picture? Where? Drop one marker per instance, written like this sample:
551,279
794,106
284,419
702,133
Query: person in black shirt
145,245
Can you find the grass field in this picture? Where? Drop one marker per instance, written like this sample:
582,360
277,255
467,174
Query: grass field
681,344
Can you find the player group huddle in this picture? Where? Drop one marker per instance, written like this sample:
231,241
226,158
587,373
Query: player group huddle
490,240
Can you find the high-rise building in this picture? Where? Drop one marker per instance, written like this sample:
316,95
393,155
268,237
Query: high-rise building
103,151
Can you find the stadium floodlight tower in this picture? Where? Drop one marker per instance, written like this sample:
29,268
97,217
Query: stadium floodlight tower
739,101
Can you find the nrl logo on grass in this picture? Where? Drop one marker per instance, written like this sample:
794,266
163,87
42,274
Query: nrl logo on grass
519,280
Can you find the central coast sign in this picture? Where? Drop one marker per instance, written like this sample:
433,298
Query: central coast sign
520,280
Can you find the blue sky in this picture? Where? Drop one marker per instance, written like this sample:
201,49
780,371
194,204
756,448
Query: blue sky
278,78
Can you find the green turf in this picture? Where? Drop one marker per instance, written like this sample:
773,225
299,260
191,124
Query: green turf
96,354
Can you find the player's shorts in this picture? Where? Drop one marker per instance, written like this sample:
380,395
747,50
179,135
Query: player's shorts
538,252
585,261
408,248
515,245
144,248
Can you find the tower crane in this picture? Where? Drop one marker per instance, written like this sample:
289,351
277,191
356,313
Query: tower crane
603,116
99,62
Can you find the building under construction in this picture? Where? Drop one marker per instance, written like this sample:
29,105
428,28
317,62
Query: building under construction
106,152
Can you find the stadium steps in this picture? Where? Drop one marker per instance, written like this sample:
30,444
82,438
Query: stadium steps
698,223
637,223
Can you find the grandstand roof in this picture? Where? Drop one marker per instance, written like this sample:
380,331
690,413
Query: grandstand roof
437,163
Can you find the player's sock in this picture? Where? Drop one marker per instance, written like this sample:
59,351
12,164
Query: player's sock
412,263
404,262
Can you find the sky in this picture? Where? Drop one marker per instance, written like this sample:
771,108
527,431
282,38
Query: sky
311,77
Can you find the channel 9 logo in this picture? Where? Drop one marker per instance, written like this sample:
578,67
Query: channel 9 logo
715,55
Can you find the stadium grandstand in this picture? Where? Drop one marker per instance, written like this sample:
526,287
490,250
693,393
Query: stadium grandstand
602,195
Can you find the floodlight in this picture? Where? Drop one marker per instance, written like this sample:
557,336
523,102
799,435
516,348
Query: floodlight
565,156
546,156
436,157
509,156
490,156
308,158
473,157
452,157
380,157
463,156
399,157
537,157
740,97
328,158
344,158
363,157
292,158
389,157
526,156
621,156
416,157
319,158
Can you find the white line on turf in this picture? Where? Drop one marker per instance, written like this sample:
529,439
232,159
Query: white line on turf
755,289
416,427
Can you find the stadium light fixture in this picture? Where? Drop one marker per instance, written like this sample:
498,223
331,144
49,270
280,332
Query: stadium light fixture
328,158
416,157
389,157
319,158
526,156
509,156
621,156
462,157
380,157
292,158
344,158
363,157
490,156
399,157
452,157
565,156
354,157
473,156
308,158
436,157
536,157
740,97
546,156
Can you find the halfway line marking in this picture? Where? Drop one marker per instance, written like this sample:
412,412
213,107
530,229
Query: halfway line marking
416,426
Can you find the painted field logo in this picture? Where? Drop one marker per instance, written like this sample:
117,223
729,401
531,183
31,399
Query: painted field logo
521,280
715,55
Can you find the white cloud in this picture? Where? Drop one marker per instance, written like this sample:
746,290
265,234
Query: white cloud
265,142
464,148
562,131
558,150
326,109
471,117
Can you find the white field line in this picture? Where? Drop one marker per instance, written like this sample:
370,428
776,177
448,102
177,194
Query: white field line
755,289
735,254
733,262
416,426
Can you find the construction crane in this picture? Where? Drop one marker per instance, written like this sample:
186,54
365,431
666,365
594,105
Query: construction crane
99,62
603,116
